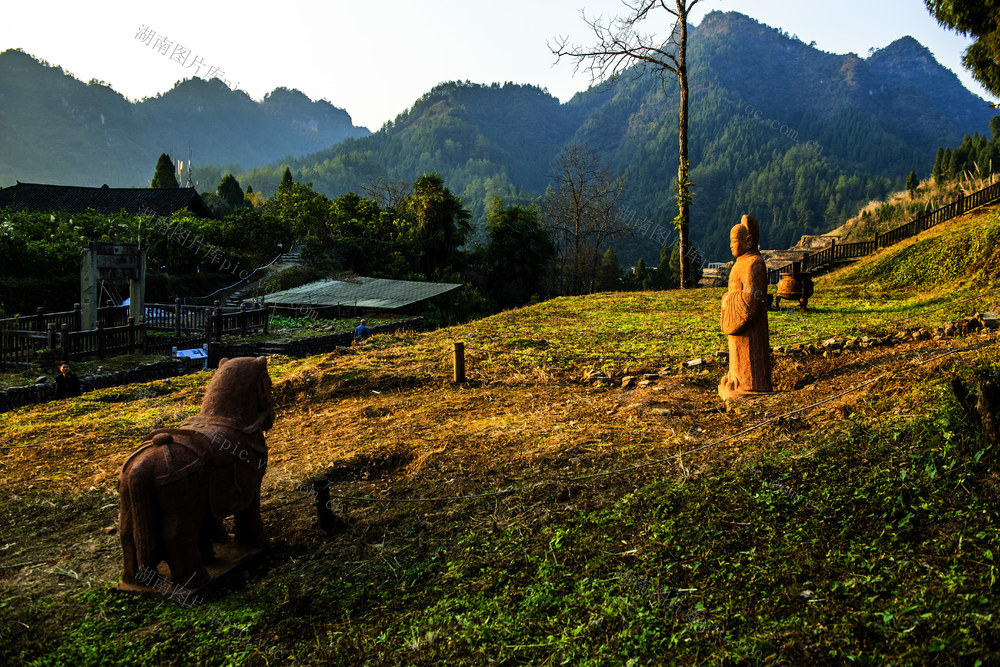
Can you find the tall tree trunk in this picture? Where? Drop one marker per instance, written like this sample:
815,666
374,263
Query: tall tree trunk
682,138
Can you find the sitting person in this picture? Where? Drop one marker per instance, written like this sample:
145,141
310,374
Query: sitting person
361,332
67,383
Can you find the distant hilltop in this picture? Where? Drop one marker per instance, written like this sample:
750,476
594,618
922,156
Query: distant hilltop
87,134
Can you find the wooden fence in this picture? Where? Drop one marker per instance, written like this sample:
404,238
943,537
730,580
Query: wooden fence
214,321
20,348
194,325
107,316
849,251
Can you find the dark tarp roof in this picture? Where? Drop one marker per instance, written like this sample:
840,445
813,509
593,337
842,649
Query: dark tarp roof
75,199
360,291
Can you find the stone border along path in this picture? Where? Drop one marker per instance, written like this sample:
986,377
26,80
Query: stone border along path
831,347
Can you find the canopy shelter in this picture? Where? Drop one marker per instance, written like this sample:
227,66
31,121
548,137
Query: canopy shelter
359,292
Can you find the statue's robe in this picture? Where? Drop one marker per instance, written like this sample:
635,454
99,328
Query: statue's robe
744,321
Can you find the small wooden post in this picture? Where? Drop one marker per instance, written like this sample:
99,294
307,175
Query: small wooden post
208,326
39,319
321,492
459,362
177,318
100,340
51,342
64,341
77,317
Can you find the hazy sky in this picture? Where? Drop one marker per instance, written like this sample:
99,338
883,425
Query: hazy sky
376,58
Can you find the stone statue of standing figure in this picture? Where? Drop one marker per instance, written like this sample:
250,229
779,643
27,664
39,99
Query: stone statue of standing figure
744,316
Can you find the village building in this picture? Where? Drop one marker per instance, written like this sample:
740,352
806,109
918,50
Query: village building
109,201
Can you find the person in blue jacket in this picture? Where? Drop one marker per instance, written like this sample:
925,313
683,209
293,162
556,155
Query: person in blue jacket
361,332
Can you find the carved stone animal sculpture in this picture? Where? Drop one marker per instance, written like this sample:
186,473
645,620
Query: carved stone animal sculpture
179,486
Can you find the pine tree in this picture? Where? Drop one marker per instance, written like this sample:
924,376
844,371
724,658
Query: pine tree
643,280
286,181
667,271
912,182
164,176
229,189
608,275
938,170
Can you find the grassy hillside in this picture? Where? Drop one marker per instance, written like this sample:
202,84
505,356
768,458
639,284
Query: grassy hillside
646,525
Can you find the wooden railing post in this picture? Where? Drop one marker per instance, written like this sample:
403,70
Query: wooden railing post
177,317
459,353
39,319
217,315
77,317
51,341
243,320
100,340
64,341
208,327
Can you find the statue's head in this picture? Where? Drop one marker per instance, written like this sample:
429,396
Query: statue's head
241,390
744,237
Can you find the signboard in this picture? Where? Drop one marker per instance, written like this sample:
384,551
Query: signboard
116,261
193,353
111,261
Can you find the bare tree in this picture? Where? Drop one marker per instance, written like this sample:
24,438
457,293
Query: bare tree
388,194
581,210
620,46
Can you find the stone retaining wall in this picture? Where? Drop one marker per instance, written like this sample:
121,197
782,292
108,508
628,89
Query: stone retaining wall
304,347
16,397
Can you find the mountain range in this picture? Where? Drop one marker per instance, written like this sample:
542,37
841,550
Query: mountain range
796,136
56,129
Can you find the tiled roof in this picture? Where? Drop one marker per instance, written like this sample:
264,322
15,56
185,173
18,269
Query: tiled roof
74,199
379,293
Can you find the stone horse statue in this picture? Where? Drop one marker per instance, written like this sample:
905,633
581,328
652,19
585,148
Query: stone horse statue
179,486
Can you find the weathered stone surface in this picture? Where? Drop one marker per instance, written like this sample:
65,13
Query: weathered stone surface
744,316
180,485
